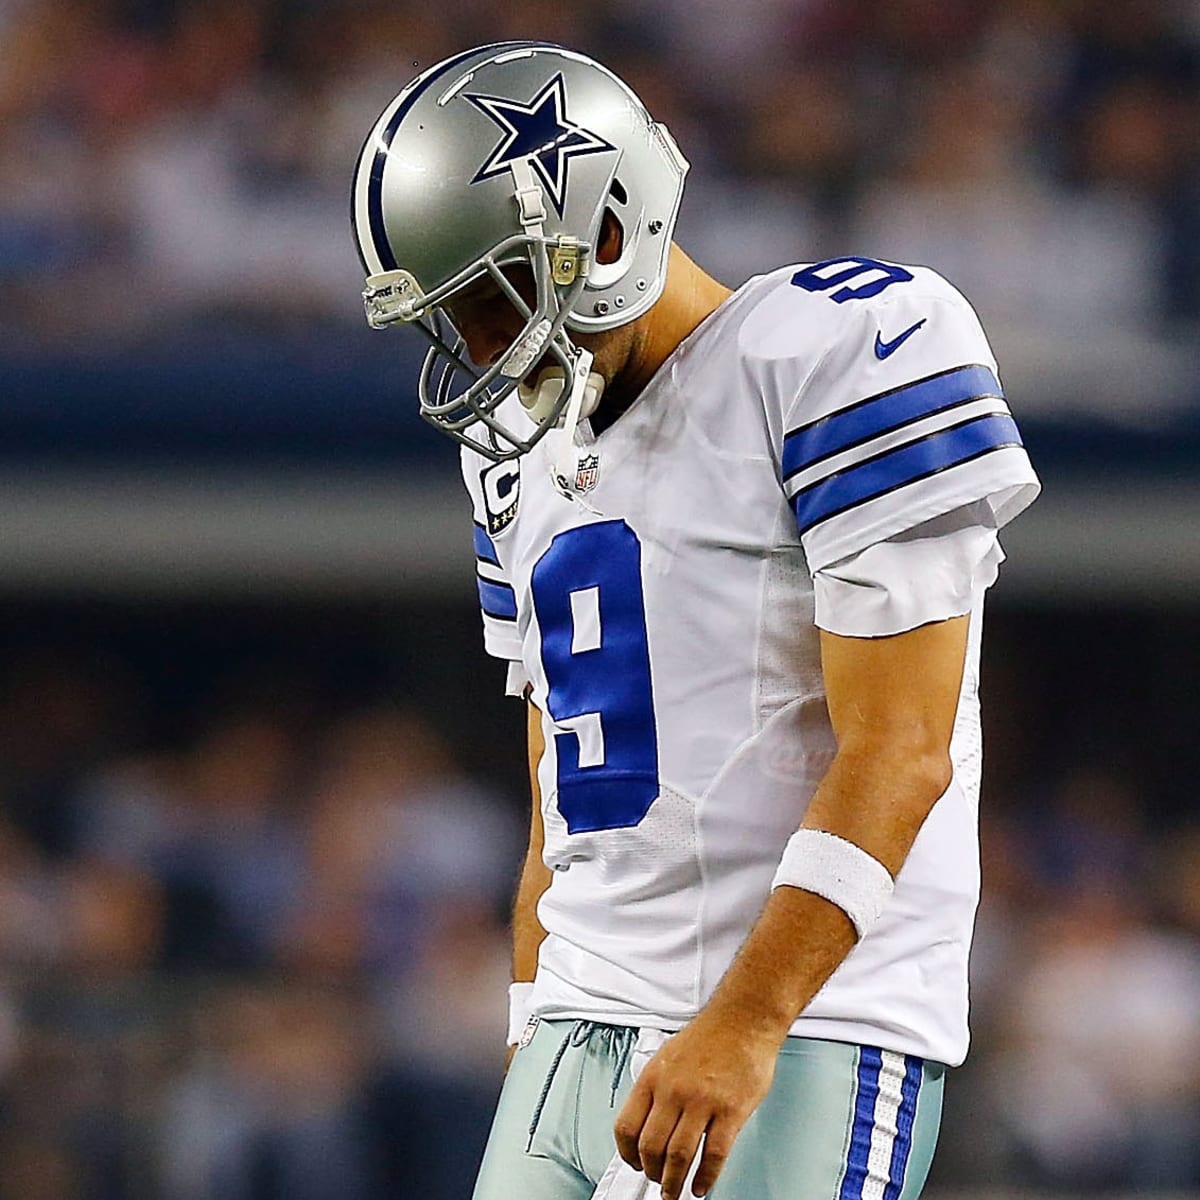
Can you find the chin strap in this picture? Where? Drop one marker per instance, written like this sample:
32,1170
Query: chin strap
566,457
531,205
585,388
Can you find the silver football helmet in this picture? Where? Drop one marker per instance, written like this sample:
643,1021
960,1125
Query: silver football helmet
510,155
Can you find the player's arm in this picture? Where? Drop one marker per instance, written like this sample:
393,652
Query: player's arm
892,702
535,875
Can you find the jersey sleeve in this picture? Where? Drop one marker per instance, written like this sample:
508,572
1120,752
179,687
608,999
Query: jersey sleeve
902,421
931,573
497,599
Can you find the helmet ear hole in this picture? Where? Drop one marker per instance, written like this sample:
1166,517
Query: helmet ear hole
612,238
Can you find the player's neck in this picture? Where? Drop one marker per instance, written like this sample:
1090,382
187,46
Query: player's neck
689,297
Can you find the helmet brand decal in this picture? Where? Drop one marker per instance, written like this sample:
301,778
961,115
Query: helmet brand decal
501,484
541,133
390,296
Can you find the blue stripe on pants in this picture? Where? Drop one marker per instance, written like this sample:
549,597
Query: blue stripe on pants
904,1127
869,1062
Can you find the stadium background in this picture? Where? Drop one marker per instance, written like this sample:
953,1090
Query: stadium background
260,798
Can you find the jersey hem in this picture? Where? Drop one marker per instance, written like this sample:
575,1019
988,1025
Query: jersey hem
854,1033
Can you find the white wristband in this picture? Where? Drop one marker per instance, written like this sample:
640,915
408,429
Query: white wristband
520,1009
838,870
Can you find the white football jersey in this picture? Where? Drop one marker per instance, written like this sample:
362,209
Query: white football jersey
665,622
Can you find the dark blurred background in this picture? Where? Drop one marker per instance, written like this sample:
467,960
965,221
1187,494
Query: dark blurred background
261,799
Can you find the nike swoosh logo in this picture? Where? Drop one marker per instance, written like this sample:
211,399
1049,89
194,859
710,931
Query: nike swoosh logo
885,349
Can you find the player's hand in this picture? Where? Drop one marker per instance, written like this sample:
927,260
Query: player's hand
705,1081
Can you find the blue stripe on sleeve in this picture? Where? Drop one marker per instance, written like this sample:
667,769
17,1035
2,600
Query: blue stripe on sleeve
497,600
883,413
485,548
870,1061
902,1146
874,477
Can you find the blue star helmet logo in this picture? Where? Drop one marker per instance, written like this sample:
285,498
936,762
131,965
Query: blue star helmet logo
541,132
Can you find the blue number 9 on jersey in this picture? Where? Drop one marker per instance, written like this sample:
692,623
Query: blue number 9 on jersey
587,593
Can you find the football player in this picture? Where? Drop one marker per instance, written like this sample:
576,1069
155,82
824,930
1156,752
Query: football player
733,547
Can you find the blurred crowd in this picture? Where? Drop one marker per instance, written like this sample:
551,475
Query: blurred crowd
187,162
260,953
1086,997
263,959
253,945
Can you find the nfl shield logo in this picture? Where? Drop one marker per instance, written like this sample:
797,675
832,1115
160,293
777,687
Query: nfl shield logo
587,473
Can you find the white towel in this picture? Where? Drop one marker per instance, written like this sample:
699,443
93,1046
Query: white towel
620,1181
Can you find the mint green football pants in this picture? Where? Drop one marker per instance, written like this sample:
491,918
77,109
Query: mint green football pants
841,1122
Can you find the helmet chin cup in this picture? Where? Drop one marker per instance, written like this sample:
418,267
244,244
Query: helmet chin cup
541,398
